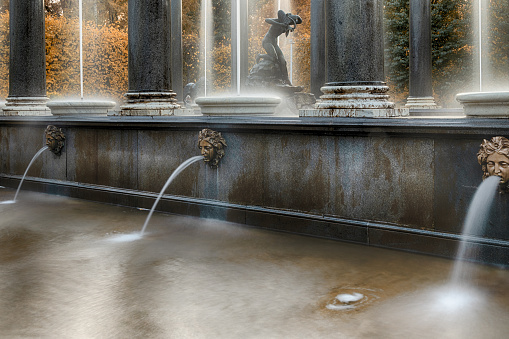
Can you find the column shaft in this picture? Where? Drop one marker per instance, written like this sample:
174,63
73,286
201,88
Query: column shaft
176,49
354,41
420,79
420,48
149,45
317,46
149,59
27,60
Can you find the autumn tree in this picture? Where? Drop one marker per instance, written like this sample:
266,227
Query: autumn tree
4,54
104,59
4,5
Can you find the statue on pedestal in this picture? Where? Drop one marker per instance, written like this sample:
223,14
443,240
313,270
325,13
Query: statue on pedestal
270,72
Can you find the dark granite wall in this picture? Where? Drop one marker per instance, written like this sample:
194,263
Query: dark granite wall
385,182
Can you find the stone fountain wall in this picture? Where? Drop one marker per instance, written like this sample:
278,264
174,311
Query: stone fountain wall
396,183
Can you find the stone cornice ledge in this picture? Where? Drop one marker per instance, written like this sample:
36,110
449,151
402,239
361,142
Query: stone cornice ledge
412,125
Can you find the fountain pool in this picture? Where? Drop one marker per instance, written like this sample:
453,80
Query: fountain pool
61,276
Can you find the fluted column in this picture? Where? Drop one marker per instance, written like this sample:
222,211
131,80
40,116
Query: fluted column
149,57
27,59
420,84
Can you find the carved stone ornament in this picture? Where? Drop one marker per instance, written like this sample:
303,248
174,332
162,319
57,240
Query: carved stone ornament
493,156
55,139
211,145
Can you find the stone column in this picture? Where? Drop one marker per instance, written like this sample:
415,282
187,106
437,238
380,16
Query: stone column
354,61
240,40
149,56
317,46
420,85
176,49
27,60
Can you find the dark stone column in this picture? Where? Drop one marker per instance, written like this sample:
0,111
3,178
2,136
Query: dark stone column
239,44
317,46
149,59
176,49
27,60
420,85
354,56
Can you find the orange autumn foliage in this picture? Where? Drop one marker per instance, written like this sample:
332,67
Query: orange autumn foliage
4,55
104,59
105,66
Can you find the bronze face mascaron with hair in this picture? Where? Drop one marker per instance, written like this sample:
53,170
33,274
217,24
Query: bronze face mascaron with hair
493,156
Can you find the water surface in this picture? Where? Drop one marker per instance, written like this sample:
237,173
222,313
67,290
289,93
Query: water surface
76,269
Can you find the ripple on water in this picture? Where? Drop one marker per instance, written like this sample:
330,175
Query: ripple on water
351,299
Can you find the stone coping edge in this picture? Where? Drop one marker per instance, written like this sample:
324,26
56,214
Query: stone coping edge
448,126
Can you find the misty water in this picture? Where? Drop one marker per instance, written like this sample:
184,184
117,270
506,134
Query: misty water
62,276
475,223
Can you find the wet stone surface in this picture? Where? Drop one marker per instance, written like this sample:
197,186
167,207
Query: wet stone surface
77,269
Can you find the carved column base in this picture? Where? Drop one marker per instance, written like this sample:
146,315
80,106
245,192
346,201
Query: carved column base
26,106
421,103
355,112
356,95
354,99
149,103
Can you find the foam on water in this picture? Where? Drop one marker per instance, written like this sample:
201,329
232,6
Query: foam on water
352,299
348,298
454,298
125,237
346,301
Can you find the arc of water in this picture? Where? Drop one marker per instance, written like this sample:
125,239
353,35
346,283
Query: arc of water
28,167
475,220
179,169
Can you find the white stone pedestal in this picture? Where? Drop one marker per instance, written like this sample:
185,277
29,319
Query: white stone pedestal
80,107
238,105
485,104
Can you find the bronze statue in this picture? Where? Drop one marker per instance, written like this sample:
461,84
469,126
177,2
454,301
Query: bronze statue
284,23
211,145
55,139
493,156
